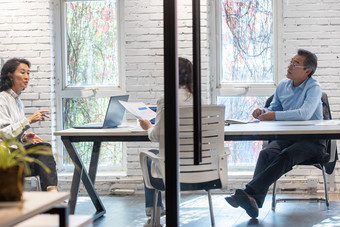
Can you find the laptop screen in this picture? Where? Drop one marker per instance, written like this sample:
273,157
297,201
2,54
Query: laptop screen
115,111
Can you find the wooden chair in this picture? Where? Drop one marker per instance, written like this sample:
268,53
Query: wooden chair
210,174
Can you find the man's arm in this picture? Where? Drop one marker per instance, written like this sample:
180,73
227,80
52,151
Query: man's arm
257,113
269,116
306,110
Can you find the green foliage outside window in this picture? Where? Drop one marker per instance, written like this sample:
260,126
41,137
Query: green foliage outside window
91,28
78,111
92,60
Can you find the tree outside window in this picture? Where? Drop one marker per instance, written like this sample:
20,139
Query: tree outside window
247,58
91,63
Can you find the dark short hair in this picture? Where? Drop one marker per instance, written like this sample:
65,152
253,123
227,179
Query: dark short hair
311,61
9,67
185,73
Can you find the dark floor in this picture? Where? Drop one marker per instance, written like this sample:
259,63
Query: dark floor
128,211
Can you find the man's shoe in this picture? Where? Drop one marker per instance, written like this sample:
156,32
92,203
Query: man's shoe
232,201
247,202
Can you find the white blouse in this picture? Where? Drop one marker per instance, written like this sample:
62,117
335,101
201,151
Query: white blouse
13,122
154,133
184,99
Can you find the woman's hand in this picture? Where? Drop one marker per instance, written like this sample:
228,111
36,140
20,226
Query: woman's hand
38,116
145,124
31,137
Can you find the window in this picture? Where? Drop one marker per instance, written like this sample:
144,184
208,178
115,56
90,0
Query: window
90,70
247,41
247,68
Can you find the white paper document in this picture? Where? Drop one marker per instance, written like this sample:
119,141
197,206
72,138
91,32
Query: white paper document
139,110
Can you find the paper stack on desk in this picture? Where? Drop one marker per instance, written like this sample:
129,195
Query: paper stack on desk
139,110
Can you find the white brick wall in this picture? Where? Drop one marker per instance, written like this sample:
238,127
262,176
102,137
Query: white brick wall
27,30
25,33
315,26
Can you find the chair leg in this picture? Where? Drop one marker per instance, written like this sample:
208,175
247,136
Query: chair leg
38,183
211,209
156,212
274,197
35,182
325,186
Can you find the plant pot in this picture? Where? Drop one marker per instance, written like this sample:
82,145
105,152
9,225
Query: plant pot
11,183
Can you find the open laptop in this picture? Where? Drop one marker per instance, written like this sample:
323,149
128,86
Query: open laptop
114,114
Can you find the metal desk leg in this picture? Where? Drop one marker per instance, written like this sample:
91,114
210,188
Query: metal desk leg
85,179
93,172
94,161
74,190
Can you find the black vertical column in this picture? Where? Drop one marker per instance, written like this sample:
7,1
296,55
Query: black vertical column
171,113
196,37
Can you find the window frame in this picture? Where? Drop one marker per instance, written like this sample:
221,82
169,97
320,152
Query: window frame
245,89
248,89
97,91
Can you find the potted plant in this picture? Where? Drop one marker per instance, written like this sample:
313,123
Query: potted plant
14,165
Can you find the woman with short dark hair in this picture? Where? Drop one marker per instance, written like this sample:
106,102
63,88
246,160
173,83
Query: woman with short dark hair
15,76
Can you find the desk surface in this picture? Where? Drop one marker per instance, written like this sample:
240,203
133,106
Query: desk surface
262,128
284,130
285,127
34,203
290,130
127,130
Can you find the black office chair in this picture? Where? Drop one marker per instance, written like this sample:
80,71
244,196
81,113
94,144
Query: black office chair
325,163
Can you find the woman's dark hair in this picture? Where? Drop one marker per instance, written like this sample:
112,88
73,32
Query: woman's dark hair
311,61
9,67
185,74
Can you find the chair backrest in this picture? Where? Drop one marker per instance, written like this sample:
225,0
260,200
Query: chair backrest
331,144
214,164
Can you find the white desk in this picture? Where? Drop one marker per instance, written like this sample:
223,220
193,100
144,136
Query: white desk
252,131
272,130
34,203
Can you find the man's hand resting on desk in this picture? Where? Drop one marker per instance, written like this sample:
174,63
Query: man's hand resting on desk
269,116
145,124
257,113
262,116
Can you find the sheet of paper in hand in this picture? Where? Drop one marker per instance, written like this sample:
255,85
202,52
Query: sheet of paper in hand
139,110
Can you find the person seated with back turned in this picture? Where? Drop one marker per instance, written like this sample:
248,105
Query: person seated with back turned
184,99
15,75
297,98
